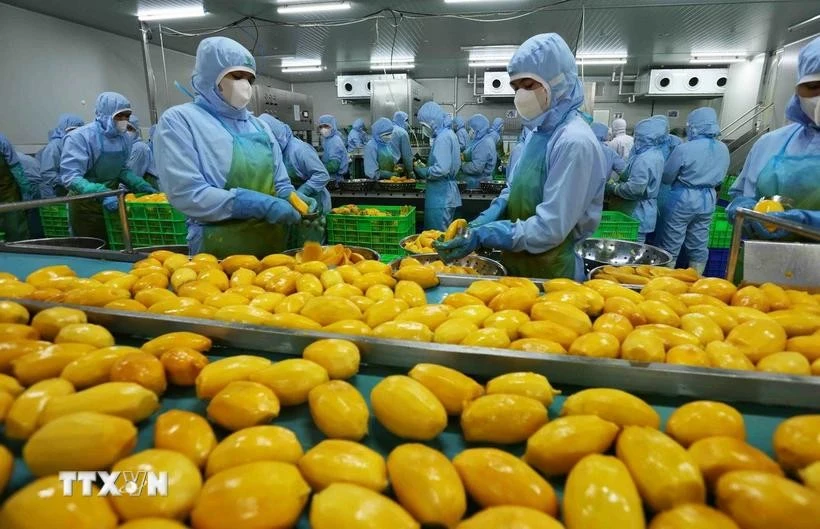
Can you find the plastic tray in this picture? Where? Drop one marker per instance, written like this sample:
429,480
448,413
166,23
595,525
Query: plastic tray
717,263
617,225
55,220
382,234
720,232
150,223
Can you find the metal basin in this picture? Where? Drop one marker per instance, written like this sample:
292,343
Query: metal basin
367,253
482,265
176,248
89,243
601,252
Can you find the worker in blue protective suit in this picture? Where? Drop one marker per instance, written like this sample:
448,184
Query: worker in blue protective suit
636,194
786,161
357,137
555,192
31,167
133,131
303,166
95,159
615,164
497,129
480,157
142,162
334,153
461,132
220,165
621,142
518,150
401,140
49,157
441,196
14,186
693,171
379,155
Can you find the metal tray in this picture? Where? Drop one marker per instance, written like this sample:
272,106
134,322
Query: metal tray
176,248
356,185
482,265
88,243
367,253
396,187
600,252
492,187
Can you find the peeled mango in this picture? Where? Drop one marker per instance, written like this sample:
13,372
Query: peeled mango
477,314
715,287
219,374
797,441
424,276
185,432
427,484
291,379
692,516
454,331
11,312
510,517
348,506
596,345
810,476
701,419
42,504
242,404
122,399
404,330
341,461
727,356
614,324
10,385
141,368
758,500
788,363
643,346
263,494
494,477
485,290
6,467
526,384
47,363
17,331
717,455
407,408
340,358
183,365
339,410
560,444
384,311
758,338
600,494
430,315
95,335
80,441
411,293
22,417
612,405
502,419
454,389
488,337
258,443
94,368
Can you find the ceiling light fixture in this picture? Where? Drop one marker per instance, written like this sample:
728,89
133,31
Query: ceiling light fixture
303,69
489,64
312,8
717,58
598,62
167,14
297,62
804,23
394,66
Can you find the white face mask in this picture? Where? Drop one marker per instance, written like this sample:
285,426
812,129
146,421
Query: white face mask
121,125
811,106
325,132
427,130
237,92
386,137
532,103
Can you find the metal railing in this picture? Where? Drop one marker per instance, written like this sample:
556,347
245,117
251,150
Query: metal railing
119,193
740,122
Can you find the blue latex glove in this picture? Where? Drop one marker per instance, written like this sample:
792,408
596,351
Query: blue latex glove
458,247
497,235
739,202
802,216
760,231
610,187
110,203
497,208
306,190
313,205
254,205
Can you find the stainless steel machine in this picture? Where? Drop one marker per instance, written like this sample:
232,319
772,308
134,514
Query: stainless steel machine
389,96
292,108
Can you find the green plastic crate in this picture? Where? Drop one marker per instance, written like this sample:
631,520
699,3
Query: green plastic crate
55,220
150,224
617,225
113,230
381,234
720,232
724,188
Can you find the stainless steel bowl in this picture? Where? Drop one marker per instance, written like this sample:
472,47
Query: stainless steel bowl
367,253
356,185
396,187
601,252
482,265
492,187
88,243
409,238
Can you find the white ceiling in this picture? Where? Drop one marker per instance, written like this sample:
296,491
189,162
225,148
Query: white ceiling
653,33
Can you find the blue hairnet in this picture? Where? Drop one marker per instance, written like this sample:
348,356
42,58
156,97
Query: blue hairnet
702,122
480,124
401,118
498,125
327,119
382,126
432,114
65,121
649,133
216,57
280,130
459,123
808,64
601,131
358,124
547,59
108,104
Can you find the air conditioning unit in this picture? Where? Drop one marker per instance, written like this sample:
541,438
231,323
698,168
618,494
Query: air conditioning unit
355,87
497,84
701,82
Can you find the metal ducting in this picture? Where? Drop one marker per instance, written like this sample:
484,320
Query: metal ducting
359,87
497,84
700,82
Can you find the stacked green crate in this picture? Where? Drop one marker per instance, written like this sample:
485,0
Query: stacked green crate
55,220
720,232
381,234
617,225
150,224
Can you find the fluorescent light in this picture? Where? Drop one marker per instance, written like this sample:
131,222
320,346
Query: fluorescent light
805,22
592,62
167,14
297,62
303,69
394,66
489,64
717,58
313,8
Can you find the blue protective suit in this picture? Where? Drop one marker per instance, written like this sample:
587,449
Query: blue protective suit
441,197
357,137
693,171
497,129
401,119
461,132
401,140
194,146
642,180
480,156
142,162
614,162
334,154
379,155
134,132
49,157
14,186
31,168
555,191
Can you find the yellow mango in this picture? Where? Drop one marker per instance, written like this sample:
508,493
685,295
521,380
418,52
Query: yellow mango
293,304
24,413
314,268
704,418
596,345
665,474
246,291
557,446
502,419
352,327
757,500
242,404
331,278
11,312
407,408
430,315
454,389
42,503
340,358
175,306
10,385
339,410
424,276
520,282
671,336
41,275
615,324
487,337
17,331
6,467
174,340
703,327
758,338
15,289
715,287
183,365
744,314
204,258
508,320
797,322
6,400
537,345
384,311
266,278
485,290
688,355
788,363
340,461
185,432
345,505
494,477
460,299
225,300
293,321
175,261
47,363
80,441
612,405
692,516
291,379
260,494
46,294
12,350
199,290
563,314
94,367
182,276
403,330
216,277
369,279
126,304
716,456
153,280
150,296
244,314
330,309
625,307
584,298
267,301
548,330
799,297
560,284
777,297
665,284
127,282
108,275
530,385
454,331
515,298
310,284
379,293
95,335
600,494
670,300
608,289
751,296
808,346
510,517
122,399
809,475
258,443
660,313
815,368
344,291
727,356
235,262
797,441
183,478
411,293
141,368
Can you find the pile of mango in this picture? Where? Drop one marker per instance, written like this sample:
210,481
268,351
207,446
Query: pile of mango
353,209
75,404
643,274
153,198
439,267
423,243
337,255
399,179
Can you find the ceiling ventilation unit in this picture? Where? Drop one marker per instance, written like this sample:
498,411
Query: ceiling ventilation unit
497,84
359,87
701,82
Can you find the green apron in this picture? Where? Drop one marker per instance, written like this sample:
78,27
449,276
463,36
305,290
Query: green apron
526,192
386,158
86,216
306,230
251,168
13,224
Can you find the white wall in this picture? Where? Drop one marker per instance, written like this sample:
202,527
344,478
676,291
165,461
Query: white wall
742,94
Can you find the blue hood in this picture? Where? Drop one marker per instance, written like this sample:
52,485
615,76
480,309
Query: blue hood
481,125
548,58
135,122
358,124
702,123
448,122
498,125
808,63
458,123
401,118
327,119
649,133
280,131
215,57
65,121
382,126
601,131
108,104
432,114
